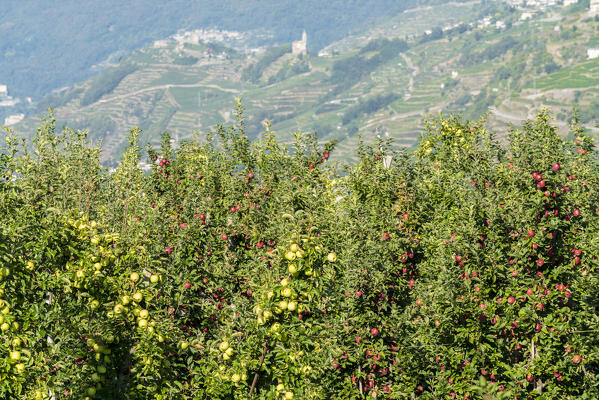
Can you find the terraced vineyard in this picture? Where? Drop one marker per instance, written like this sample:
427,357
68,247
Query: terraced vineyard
513,71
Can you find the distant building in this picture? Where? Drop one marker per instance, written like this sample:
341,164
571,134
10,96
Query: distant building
5,99
592,53
161,44
569,2
594,7
8,101
13,119
526,15
486,21
300,46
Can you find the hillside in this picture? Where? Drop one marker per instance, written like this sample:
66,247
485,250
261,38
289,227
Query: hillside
456,57
48,45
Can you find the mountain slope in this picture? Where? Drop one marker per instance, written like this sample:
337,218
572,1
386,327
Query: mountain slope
48,45
386,86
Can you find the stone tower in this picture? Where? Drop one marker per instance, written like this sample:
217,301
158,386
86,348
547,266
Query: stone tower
300,46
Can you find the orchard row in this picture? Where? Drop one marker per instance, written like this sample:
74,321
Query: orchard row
259,270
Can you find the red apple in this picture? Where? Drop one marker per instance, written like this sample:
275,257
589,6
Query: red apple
541,184
540,262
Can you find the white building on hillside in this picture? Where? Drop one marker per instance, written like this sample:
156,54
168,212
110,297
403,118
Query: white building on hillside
592,53
13,119
594,8
300,46
160,44
526,15
5,99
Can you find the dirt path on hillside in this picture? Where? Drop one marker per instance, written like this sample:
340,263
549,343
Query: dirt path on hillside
393,118
507,117
159,87
415,72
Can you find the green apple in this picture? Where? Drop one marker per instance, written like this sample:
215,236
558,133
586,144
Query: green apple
223,346
15,355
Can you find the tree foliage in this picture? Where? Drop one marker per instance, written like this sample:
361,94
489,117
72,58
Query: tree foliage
238,269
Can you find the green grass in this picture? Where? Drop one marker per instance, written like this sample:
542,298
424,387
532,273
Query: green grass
580,76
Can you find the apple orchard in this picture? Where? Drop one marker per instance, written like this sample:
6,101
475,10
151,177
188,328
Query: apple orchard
238,269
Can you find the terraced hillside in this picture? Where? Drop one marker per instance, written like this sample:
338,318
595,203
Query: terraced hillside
381,81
